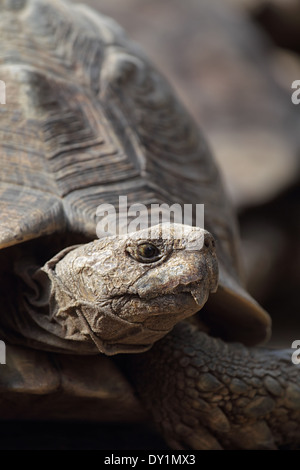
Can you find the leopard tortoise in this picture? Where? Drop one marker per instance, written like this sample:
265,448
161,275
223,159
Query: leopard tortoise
88,119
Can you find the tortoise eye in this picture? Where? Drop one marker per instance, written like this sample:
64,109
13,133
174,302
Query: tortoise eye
148,251
145,252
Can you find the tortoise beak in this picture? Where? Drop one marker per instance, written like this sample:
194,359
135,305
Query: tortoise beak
208,284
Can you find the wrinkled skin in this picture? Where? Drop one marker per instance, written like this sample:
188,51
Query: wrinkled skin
106,296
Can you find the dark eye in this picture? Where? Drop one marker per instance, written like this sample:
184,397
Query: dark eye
145,252
148,251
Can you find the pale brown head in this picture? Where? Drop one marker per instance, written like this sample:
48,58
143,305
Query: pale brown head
126,292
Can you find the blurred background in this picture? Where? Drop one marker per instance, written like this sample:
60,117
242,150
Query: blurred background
232,62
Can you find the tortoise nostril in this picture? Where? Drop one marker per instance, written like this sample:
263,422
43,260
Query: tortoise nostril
209,242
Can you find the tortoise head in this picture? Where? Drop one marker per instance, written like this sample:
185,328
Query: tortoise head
126,292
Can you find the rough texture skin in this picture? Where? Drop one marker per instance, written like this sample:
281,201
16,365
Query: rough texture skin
104,296
208,394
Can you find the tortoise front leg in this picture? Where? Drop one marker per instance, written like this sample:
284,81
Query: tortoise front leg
207,394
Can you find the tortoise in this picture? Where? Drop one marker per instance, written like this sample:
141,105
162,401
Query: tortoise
88,119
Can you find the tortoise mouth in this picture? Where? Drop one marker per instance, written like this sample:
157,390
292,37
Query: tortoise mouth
137,323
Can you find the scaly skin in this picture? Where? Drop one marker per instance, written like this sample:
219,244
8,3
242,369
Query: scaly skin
215,395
